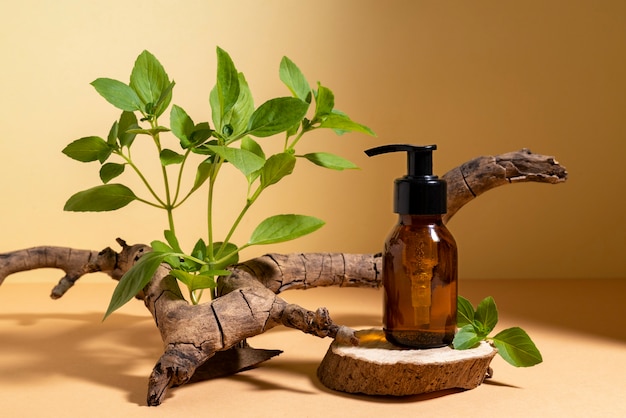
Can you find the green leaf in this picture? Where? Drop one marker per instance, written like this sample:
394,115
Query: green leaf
112,137
332,161
244,161
516,347
276,167
111,170
293,78
294,129
242,110
127,121
198,281
151,131
164,99
199,250
168,157
200,133
151,83
202,174
487,315
226,91
181,124
324,103
100,198
90,148
135,280
216,108
466,338
161,247
280,228
465,312
343,123
276,115
251,145
172,240
228,256
118,94
173,257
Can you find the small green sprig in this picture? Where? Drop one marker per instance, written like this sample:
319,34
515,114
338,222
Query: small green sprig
513,344
227,140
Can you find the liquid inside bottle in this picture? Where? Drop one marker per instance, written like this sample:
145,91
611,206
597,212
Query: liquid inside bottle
420,283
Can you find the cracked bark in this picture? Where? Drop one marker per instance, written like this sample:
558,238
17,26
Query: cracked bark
473,178
208,340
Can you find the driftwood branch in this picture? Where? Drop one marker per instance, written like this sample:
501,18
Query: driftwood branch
473,178
248,302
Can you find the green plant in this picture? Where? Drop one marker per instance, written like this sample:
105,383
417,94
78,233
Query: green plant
229,140
513,344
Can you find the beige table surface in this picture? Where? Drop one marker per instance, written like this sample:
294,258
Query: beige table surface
57,359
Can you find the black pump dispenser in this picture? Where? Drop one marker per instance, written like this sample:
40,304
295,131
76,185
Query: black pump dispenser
419,192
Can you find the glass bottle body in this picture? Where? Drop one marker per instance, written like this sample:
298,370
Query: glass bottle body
420,283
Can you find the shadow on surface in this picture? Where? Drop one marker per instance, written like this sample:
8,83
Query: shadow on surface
309,369
81,346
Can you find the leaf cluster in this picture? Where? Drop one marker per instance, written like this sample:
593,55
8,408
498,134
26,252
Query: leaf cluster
513,344
230,137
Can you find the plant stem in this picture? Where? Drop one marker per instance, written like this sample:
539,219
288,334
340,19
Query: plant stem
215,168
147,202
233,228
179,180
168,199
247,206
143,179
194,299
296,139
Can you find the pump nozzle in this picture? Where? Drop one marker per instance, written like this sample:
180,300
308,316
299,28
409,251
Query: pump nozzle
419,159
419,192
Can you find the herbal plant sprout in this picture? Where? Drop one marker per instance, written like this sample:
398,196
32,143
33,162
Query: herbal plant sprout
513,344
227,140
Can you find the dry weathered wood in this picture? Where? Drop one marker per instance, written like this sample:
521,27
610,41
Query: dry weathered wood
376,367
280,272
193,334
248,303
75,263
481,174
228,362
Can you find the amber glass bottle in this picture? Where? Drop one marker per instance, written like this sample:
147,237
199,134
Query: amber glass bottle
420,283
420,257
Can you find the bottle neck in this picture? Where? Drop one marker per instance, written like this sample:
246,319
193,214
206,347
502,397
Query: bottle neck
419,219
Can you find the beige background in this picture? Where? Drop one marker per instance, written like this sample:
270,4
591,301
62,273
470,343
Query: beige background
480,77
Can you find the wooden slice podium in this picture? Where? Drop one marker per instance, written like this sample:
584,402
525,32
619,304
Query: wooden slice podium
377,367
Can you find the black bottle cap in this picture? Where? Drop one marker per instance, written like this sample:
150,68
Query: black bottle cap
419,192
